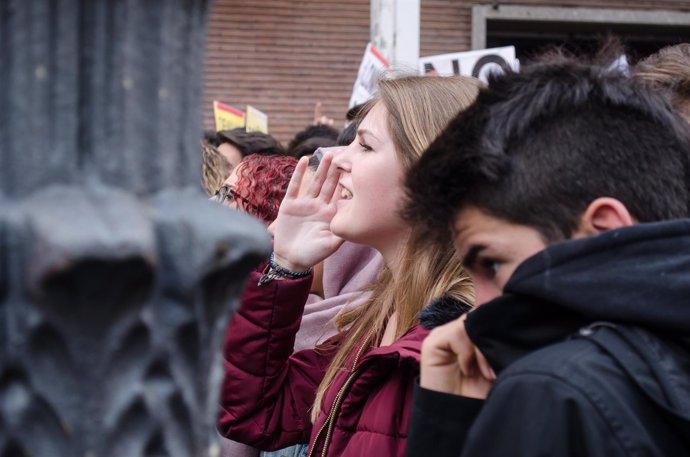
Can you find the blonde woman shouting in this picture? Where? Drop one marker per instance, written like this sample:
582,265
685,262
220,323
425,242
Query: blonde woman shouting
352,395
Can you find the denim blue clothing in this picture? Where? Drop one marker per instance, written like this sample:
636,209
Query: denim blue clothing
298,450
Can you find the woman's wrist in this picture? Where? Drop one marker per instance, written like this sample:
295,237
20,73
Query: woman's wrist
288,265
277,271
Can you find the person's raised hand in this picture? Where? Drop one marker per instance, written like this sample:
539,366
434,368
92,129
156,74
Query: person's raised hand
451,363
301,232
321,119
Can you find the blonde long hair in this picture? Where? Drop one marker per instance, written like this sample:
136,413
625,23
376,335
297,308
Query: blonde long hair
215,169
419,108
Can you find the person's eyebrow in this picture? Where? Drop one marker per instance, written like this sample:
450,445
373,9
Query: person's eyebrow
362,132
469,259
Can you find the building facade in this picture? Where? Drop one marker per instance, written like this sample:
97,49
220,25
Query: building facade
282,56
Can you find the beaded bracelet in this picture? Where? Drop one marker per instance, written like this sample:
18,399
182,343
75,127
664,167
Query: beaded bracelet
275,271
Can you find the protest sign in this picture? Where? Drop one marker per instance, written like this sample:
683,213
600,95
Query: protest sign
371,68
257,121
227,117
471,63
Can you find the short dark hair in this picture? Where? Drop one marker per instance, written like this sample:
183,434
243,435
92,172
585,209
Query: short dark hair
348,134
210,137
537,147
309,139
310,145
355,112
251,142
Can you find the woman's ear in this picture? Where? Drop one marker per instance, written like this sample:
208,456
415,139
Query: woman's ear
604,213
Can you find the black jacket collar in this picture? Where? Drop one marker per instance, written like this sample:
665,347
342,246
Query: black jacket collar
637,275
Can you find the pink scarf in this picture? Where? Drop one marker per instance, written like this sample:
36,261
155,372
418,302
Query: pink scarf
346,273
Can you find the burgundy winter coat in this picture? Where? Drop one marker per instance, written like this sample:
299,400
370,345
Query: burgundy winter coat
268,391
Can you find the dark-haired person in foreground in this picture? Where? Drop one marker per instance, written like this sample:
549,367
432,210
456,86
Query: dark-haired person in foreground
565,189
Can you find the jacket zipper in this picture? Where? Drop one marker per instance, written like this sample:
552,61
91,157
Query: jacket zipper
329,424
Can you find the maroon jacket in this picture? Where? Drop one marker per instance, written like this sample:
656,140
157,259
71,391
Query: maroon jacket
268,391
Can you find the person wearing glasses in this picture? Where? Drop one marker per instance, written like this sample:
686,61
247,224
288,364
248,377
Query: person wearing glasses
257,185
350,396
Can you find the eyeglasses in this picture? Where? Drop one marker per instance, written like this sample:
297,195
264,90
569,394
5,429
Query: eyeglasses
227,194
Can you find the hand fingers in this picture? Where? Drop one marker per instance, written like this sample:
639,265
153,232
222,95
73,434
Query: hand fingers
296,180
320,175
481,363
335,195
325,120
464,348
328,189
317,112
484,367
470,359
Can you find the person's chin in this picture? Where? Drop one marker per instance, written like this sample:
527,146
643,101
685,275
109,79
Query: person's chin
339,226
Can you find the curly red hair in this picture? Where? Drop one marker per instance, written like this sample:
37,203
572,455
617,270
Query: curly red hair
263,181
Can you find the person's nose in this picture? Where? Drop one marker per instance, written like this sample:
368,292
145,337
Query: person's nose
342,157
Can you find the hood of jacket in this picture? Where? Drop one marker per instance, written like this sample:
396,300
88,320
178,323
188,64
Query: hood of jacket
632,282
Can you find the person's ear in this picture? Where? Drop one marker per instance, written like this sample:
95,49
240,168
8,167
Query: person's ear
604,213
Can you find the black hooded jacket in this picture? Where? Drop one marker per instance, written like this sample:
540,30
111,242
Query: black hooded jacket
591,344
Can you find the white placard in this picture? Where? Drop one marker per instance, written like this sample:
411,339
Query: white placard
471,63
371,68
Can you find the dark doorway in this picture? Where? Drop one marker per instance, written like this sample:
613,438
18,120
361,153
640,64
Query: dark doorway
533,38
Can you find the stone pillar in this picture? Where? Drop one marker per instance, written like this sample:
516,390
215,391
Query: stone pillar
117,276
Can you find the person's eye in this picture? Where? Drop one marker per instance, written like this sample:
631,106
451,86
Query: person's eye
489,266
365,147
